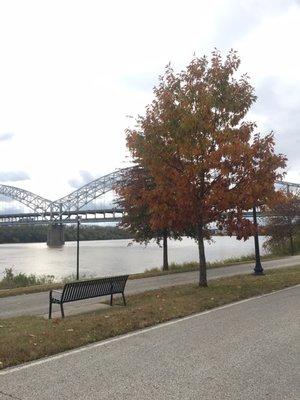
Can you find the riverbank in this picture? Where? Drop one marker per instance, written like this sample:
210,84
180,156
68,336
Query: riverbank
21,283
28,338
38,233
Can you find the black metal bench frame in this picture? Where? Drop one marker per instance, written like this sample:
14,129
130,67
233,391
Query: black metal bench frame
81,290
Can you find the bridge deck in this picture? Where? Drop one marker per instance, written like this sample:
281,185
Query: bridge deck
86,216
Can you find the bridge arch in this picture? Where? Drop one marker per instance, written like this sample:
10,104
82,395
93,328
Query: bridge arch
35,202
78,199
89,192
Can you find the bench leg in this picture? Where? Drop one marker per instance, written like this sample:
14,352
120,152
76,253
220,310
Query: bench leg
124,301
111,299
50,309
62,310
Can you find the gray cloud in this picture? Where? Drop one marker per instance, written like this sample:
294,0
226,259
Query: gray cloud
6,136
10,206
278,104
13,176
85,177
241,17
5,199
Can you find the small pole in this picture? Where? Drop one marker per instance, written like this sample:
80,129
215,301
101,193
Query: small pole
77,269
165,250
258,269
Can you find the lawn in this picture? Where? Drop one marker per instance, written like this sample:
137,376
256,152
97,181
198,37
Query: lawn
27,338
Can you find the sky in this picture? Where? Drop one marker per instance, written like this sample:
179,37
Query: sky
74,73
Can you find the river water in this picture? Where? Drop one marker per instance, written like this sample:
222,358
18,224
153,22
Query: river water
113,257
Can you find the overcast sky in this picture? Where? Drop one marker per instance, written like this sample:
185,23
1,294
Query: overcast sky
72,71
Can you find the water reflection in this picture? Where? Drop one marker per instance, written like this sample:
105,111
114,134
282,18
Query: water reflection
112,257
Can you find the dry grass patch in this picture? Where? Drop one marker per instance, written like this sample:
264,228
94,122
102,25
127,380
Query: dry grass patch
27,338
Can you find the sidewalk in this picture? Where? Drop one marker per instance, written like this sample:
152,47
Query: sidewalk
244,350
37,303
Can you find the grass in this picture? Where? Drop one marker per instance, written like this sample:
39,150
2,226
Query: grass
14,284
27,338
194,266
12,280
26,284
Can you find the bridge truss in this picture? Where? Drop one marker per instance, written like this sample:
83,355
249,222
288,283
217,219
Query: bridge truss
86,216
36,203
68,208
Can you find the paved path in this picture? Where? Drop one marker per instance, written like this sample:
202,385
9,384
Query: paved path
243,351
37,303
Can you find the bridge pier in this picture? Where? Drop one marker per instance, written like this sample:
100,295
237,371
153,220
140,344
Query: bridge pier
55,235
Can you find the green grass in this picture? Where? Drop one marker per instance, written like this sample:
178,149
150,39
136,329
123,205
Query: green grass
12,280
27,338
20,283
194,266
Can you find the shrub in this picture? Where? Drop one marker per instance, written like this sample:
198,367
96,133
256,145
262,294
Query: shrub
12,280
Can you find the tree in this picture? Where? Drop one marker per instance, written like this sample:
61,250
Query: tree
201,153
283,224
133,191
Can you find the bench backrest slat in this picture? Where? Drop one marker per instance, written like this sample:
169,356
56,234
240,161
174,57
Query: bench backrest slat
93,288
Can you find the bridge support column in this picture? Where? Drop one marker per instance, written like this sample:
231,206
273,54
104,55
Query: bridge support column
55,236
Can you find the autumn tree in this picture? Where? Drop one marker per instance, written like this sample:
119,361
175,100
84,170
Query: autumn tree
283,224
133,196
202,154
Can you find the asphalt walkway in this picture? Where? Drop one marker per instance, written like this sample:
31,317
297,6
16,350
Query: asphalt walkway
37,303
246,350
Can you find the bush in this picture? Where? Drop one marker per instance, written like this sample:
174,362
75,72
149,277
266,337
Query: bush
12,280
283,247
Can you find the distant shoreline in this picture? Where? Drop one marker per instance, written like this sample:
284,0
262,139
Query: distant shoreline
38,233
97,239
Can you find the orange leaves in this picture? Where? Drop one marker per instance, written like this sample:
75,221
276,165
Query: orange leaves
197,161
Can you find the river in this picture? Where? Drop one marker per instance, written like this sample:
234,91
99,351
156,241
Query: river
113,257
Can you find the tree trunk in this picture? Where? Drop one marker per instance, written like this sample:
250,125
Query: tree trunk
292,244
202,260
165,251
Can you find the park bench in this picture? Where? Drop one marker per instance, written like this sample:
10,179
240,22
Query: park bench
88,289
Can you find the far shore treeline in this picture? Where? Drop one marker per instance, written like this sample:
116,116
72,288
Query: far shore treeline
38,233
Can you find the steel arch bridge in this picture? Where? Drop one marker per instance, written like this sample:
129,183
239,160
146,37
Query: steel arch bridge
64,210
68,208
36,203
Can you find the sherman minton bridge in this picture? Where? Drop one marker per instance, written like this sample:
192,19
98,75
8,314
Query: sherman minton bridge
79,205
